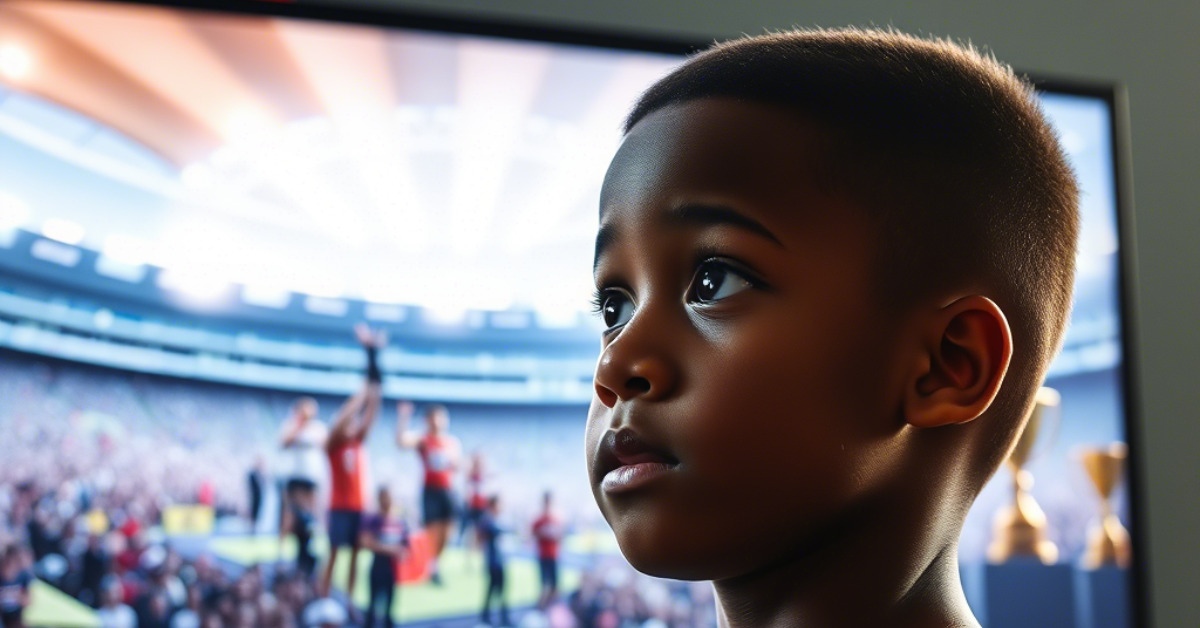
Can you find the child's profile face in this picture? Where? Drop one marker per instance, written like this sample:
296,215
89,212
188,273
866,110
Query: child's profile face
747,388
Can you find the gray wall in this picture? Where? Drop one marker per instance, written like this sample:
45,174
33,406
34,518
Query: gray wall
1154,50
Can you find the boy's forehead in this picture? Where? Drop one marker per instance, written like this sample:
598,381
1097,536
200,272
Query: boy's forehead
717,150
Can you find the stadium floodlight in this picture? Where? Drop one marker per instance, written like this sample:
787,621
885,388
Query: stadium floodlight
14,212
123,257
103,318
63,230
559,311
1100,355
248,124
196,176
326,306
382,292
1096,253
266,296
195,286
476,319
16,62
126,249
557,318
385,312
512,319
117,269
321,287
55,252
445,315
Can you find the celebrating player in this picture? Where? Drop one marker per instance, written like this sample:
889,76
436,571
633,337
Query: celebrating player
348,461
440,453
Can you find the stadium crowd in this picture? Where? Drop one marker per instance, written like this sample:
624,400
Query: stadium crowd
93,458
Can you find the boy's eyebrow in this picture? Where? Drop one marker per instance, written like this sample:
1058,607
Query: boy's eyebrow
705,214
698,214
604,239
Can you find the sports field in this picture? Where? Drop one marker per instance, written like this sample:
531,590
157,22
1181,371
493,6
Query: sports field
461,593
51,608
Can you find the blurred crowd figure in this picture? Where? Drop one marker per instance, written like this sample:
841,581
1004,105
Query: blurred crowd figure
131,581
615,596
302,468
612,595
548,532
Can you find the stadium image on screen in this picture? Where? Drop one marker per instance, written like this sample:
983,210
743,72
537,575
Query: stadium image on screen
214,227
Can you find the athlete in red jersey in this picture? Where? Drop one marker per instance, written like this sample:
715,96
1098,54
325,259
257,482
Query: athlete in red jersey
440,454
348,462
548,532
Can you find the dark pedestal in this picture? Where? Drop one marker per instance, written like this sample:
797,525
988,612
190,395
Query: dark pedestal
1102,598
1027,594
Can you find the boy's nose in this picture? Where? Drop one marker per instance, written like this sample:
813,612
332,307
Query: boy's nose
621,376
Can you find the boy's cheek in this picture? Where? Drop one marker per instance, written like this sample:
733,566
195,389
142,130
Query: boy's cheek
597,424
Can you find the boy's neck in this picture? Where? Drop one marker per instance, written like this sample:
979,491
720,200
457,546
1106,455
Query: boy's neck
877,570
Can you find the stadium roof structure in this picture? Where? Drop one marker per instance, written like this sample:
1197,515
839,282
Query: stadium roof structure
453,172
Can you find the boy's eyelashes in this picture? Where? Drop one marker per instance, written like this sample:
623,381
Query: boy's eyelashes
614,306
715,279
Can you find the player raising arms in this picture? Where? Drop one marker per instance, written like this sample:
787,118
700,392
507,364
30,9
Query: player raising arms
440,453
348,461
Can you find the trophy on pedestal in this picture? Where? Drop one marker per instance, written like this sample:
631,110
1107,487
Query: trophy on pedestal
1108,541
1020,528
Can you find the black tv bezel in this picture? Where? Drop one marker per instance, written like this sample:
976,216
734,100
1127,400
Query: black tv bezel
1111,93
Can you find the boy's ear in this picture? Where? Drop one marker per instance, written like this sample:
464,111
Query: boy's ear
963,356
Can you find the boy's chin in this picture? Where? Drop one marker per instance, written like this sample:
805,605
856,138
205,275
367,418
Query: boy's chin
663,565
671,555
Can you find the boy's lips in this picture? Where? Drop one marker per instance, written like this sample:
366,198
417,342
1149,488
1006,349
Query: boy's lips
625,461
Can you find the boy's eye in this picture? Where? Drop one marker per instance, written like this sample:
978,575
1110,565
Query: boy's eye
616,308
716,280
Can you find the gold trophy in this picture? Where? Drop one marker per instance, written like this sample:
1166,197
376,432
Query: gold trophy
1020,529
1108,541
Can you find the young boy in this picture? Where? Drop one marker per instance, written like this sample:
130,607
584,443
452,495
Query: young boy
834,266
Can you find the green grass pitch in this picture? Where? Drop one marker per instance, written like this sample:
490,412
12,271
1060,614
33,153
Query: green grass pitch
462,574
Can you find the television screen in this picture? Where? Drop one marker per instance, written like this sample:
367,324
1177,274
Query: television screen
197,208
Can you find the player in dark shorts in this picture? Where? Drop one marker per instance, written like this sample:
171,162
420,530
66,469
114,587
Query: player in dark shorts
386,536
548,532
348,462
439,452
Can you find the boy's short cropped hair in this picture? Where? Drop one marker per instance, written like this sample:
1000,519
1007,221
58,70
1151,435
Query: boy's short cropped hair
946,149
